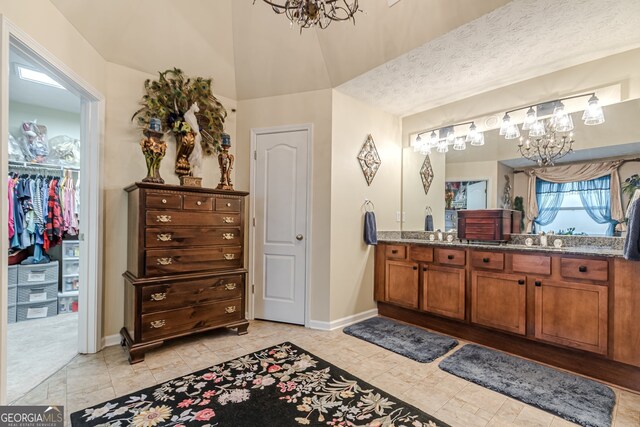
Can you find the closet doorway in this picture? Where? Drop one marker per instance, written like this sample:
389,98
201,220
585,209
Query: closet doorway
51,130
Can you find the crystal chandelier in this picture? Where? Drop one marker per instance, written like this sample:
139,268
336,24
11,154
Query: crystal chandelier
552,138
447,137
315,13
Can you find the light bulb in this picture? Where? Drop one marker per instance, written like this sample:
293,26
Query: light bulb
593,115
530,119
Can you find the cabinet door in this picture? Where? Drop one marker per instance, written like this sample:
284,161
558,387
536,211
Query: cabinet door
572,314
443,290
499,301
402,283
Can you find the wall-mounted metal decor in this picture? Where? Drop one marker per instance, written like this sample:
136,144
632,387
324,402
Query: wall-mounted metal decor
426,173
369,159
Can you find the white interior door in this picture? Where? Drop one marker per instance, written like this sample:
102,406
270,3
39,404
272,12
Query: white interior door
280,194
477,195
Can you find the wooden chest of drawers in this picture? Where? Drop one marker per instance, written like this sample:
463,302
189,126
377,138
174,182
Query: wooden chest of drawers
184,264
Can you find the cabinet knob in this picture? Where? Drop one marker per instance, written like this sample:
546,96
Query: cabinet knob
424,269
199,203
228,205
415,268
157,324
159,296
538,283
449,256
582,269
521,282
164,201
394,251
485,260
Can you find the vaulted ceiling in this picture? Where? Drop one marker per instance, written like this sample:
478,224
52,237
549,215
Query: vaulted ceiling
410,56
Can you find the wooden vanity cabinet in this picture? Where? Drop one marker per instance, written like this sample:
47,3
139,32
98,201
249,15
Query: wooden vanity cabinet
499,301
443,290
401,284
572,314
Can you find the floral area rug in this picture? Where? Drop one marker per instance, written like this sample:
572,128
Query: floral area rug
280,386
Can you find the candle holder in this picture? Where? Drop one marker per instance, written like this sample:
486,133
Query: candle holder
225,160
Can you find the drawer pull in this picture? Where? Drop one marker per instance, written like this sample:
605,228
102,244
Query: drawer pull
521,282
157,324
229,256
538,283
159,296
230,309
228,205
227,236
199,203
227,219
165,261
582,269
163,218
164,237
449,256
164,201
485,260
230,286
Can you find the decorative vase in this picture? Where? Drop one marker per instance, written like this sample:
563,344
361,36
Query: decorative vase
225,161
154,149
186,143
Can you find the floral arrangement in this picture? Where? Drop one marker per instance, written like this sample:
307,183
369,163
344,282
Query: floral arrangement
171,96
630,185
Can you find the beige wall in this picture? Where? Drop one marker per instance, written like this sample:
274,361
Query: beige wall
302,108
57,122
351,259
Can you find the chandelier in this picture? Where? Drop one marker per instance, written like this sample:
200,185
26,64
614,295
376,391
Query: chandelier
315,13
549,139
448,137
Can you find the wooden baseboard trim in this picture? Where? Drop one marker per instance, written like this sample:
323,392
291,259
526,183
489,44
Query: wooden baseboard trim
582,363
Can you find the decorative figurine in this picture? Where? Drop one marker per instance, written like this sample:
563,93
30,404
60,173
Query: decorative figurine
225,160
506,195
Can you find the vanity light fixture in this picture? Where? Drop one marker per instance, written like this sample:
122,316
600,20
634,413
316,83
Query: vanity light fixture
552,137
442,138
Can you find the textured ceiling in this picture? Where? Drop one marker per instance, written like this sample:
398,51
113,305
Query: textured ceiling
521,40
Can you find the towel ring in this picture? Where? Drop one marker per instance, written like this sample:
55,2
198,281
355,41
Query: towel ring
368,203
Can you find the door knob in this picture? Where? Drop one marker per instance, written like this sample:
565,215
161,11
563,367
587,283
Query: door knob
299,237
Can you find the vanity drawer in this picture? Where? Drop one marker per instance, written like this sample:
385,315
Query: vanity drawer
487,260
198,203
176,322
182,294
450,256
166,237
396,251
421,253
167,261
534,264
227,205
163,201
178,218
587,269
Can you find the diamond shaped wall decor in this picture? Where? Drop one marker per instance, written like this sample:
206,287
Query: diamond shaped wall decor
369,159
426,173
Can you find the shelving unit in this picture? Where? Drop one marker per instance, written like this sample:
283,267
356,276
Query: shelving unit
70,283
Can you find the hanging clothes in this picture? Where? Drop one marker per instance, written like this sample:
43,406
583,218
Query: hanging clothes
54,217
11,190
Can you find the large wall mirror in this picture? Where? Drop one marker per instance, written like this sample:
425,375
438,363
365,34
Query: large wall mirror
578,207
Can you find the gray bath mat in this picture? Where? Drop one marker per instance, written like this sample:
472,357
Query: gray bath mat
410,341
571,397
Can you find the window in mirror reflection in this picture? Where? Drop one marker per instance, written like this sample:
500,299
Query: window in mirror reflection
580,207
463,195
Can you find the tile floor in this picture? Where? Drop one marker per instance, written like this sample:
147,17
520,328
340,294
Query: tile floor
91,379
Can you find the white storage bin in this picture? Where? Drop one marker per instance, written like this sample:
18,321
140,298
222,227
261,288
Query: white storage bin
38,273
70,249
37,292
13,275
13,294
12,313
70,284
67,302
37,310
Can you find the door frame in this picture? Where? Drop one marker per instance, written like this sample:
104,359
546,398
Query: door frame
92,112
255,132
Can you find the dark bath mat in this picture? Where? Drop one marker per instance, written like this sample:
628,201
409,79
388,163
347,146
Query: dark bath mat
571,397
410,341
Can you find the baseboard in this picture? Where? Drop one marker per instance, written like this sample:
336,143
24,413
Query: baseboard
110,340
345,321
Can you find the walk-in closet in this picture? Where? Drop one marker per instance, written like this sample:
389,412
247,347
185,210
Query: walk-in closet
44,185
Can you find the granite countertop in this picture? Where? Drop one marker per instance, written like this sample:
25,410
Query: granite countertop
578,250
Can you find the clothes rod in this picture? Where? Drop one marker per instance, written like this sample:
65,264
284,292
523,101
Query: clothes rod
29,165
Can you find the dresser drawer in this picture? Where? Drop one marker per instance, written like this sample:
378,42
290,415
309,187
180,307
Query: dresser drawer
197,203
421,253
183,294
179,218
488,260
450,256
166,237
166,261
163,201
174,322
227,205
533,264
396,251
587,269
